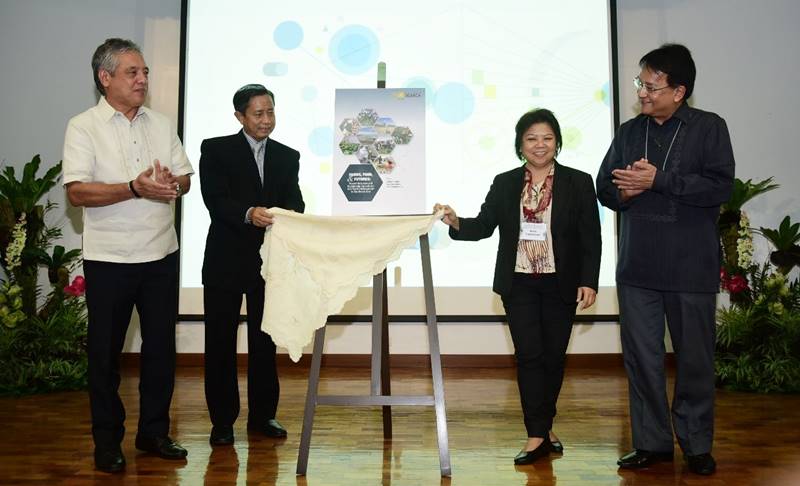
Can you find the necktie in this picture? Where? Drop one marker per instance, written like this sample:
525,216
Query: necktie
259,153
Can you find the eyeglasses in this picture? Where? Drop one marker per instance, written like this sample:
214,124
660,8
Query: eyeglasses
639,85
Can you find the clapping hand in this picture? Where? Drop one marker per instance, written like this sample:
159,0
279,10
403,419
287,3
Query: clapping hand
634,179
156,183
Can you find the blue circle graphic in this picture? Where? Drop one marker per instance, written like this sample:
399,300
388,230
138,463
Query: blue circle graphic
320,141
435,236
275,69
454,103
354,49
288,35
424,83
309,93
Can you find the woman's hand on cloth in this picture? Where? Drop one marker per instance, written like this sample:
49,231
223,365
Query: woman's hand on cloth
449,217
586,297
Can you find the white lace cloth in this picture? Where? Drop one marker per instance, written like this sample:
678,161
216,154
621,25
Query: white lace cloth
312,265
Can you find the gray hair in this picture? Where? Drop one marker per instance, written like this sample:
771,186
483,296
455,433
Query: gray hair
105,58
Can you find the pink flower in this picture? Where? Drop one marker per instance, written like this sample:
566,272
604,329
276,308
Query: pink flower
77,287
79,283
736,284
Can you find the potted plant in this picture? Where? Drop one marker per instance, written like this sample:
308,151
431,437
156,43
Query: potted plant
784,239
758,334
42,336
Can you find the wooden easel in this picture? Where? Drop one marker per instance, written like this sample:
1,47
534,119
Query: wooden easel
380,389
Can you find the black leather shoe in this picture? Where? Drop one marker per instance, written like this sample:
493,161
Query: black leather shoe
527,457
221,435
557,447
271,429
109,460
702,464
163,447
640,458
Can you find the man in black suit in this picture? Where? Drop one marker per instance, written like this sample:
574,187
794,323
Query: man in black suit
241,176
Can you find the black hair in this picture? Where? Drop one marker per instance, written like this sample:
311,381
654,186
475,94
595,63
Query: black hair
244,94
538,115
676,62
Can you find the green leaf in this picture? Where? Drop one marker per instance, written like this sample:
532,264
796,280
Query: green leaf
785,236
30,169
745,191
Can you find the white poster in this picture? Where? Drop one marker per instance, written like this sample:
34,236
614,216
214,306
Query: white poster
379,152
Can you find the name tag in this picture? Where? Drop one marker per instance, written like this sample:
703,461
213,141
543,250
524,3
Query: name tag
533,231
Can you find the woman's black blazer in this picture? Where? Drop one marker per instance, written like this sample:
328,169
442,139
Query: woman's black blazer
575,227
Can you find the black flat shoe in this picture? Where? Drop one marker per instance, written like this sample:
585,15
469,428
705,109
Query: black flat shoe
557,447
639,458
109,460
703,464
221,435
527,457
272,428
163,447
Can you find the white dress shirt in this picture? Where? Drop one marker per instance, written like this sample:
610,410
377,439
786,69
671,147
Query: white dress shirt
102,145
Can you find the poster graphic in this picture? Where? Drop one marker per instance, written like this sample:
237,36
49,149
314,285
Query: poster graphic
379,153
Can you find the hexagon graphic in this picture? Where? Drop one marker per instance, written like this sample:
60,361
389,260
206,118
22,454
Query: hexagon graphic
367,117
367,154
367,135
385,164
384,145
384,125
360,182
349,126
402,135
349,145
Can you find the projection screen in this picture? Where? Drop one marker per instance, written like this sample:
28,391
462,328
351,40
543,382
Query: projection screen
481,64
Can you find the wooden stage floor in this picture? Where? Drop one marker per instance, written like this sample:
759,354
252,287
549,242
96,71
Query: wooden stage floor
46,439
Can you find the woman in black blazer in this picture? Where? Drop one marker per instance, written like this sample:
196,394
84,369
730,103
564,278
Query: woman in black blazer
548,262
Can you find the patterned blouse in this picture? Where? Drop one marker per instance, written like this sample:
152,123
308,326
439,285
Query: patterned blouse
535,207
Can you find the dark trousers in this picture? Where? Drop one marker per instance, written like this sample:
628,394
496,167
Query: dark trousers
112,289
691,321
222,387
540,323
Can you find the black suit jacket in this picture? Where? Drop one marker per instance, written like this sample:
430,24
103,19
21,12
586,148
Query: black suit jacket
230,184
575,226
